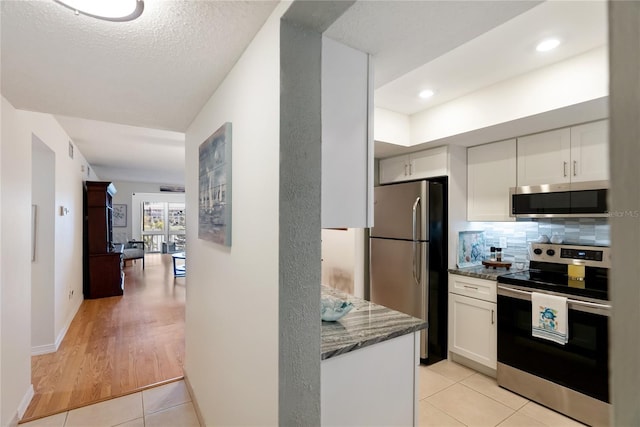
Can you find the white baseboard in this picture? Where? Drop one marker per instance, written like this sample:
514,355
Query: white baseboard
24,403
65,328
43,349
52,348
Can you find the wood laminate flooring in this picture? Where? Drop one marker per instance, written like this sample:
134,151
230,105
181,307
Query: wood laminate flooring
116,346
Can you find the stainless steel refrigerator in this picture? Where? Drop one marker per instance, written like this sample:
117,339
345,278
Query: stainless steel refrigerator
408,257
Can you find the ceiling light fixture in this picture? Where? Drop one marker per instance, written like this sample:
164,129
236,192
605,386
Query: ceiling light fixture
109,10
427,93
548,44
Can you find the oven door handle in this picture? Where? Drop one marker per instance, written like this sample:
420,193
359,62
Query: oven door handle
585,306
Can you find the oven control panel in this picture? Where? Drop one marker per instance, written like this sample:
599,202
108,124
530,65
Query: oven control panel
593,256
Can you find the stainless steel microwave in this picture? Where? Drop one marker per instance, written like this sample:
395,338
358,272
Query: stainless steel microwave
580,199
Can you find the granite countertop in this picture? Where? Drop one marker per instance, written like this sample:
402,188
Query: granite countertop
366,324
482,272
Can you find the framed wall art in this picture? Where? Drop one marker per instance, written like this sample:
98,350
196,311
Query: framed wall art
119,215
214,189
471,248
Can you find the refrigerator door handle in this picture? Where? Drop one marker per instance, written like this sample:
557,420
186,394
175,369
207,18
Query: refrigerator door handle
417,257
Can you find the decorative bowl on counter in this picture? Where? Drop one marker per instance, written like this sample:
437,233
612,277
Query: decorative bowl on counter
333,308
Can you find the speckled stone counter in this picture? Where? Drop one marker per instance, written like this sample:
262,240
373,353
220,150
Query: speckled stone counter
366,324
482,272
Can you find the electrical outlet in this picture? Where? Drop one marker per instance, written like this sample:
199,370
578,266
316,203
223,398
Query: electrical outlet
503,242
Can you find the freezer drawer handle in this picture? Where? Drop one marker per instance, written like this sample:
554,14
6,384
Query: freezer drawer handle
417,257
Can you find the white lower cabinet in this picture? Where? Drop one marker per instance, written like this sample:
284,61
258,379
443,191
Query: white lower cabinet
473,320
375,385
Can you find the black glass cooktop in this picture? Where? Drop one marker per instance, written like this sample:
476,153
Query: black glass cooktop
595,284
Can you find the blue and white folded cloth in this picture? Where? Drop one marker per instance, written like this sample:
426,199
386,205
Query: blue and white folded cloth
549,317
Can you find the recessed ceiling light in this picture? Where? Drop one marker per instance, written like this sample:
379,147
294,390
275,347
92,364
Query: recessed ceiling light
547,44
109,10
424,94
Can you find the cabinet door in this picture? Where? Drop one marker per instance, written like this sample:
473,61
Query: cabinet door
428,163
105,276
472,329
590,152
544,158
394,169
491,171
347,137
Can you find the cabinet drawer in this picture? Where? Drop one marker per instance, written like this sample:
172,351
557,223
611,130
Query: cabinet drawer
473,287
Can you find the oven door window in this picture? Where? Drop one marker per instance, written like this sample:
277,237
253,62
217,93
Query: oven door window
582,364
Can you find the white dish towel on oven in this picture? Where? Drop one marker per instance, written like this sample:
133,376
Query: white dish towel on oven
549,317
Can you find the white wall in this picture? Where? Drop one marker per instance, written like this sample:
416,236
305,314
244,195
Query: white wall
573,81
3,129
457,213
43,188
343,261
69,176
15,265
391,127
18,129
232,299
625,200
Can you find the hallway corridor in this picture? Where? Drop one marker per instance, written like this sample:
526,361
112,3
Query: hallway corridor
116,346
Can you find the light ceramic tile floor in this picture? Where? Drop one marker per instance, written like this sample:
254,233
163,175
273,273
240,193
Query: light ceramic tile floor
454,395
450,395
168,405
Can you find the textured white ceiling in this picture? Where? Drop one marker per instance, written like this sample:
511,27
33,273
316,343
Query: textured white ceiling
128,153
506,51
403,35
156,71
122,89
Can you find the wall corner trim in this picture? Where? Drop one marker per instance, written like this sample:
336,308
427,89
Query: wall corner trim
24,403
193,398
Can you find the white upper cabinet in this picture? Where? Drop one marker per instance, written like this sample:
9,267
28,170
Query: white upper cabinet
394,169
491,172
590,152
545,158
428,163
575,154
347,137
423,164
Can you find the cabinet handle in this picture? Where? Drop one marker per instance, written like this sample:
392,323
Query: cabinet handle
475,288
492,320
410,169
574,167
405,169
564,169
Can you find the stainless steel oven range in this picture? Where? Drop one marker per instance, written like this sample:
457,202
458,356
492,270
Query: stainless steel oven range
571,378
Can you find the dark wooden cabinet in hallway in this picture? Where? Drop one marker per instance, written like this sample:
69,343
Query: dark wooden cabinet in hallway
117,345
